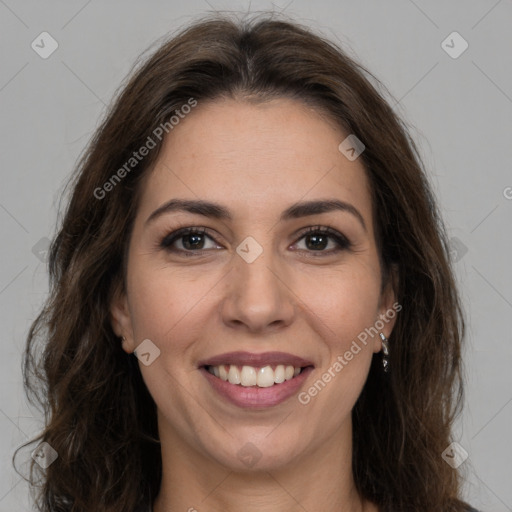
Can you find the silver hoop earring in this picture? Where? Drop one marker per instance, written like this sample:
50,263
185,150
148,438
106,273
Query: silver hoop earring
385,352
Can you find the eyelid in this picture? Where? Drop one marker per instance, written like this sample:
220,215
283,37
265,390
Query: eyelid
165,243
344,244
180,232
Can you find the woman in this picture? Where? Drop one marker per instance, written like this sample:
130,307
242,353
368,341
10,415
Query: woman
252,304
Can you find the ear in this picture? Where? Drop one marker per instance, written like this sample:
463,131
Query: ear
120,318
388,307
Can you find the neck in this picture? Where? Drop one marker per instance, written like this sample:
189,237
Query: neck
320,479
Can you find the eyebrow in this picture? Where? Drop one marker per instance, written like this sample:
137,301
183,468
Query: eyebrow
217,211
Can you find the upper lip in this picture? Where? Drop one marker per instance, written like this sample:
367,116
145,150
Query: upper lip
241,358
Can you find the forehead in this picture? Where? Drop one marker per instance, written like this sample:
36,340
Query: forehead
259,158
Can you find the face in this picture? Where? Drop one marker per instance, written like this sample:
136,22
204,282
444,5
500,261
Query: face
260,283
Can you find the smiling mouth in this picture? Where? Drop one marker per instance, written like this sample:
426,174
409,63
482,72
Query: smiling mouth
253,376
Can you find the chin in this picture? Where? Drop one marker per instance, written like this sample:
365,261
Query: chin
255,453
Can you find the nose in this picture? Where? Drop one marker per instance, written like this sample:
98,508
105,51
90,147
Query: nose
258,298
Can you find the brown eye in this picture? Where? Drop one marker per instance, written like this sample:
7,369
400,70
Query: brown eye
190,239
194,241
318,238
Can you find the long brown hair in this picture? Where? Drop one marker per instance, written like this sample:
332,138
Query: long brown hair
99,415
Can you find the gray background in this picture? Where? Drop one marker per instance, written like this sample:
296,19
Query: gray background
459,110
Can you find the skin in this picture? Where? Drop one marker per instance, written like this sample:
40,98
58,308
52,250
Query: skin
255,160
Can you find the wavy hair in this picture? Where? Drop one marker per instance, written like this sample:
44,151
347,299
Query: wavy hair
99,415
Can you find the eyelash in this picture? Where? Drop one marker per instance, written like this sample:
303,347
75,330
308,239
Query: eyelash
169,239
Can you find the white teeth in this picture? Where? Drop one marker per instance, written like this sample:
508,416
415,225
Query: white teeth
263,377
234,375
248,377
223,372
279,374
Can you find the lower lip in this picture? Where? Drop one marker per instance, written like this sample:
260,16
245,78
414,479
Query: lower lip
254,396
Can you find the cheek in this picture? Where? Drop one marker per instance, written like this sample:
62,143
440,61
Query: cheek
164,301
344,302
341,313
168,308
